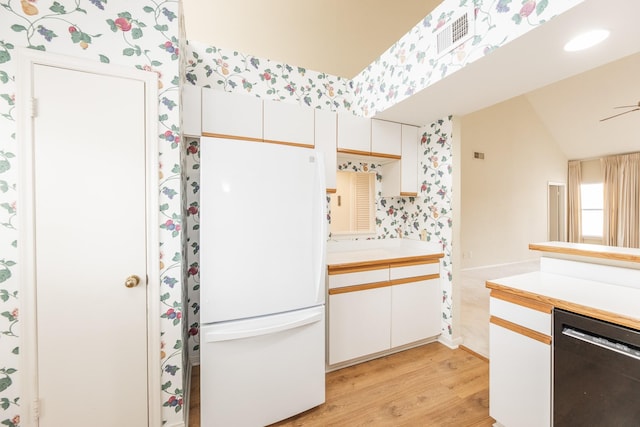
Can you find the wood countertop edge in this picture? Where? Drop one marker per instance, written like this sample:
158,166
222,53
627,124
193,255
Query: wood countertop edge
584,252
607,316
382,263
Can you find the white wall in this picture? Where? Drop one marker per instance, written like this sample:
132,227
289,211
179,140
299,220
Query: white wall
504,196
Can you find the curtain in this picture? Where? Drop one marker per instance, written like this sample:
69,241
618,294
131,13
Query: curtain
622,200
574,205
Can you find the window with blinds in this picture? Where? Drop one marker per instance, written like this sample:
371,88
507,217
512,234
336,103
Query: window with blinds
353,204
362,201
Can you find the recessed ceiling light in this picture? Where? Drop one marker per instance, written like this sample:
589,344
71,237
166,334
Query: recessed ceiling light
586,40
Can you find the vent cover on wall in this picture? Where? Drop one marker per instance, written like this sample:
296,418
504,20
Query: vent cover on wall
455,33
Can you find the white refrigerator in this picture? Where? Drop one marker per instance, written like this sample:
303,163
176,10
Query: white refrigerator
262,281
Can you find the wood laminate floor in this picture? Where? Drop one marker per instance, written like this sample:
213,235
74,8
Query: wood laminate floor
430,385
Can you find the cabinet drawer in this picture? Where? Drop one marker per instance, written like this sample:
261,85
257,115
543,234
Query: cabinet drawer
358,278
414,270
530,318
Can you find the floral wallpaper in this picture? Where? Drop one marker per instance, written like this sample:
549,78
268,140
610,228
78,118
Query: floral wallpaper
412,64
408,66
142,34
233,71
430,212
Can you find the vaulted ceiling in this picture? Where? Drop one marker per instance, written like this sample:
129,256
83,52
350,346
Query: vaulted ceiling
569,92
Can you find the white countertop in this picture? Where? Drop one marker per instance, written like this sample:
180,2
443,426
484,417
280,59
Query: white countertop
597,253
618,304
358,251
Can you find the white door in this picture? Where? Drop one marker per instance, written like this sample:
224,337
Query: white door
89,228
262,230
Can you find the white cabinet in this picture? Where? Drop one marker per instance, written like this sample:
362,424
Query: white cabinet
400,177
288,123
374,309
191,110
360,323
325,141
415,302
230,114
416,312
520,362
386,138
354,134
409,161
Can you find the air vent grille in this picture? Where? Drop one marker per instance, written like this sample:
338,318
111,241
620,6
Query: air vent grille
453,34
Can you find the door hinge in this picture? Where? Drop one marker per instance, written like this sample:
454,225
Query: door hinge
35,409
33,108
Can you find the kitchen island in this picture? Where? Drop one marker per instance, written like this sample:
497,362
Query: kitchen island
600,282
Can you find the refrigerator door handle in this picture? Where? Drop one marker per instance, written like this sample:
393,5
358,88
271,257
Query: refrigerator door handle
224,335
321,238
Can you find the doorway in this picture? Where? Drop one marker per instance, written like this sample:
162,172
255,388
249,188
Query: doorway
89,243
556,212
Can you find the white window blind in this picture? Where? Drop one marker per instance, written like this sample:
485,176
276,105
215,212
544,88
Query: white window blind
362,201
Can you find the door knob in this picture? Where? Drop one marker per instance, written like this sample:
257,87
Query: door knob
132,281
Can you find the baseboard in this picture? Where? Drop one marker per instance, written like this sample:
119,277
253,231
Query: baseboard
506,264
475,353
351,362
181,424
452,344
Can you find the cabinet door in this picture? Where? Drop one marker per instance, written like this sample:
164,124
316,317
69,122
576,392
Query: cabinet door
230,114
386,138
191,110
354,134
415,311
409,161
359,323
325,141
289,123
519,379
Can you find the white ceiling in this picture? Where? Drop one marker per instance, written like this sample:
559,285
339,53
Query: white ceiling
570,108
533,65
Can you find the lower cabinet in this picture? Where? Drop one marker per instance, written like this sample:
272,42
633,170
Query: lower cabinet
360,323
415,311
373,311
520,362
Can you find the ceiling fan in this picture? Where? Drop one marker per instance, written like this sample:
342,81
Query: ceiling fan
634,108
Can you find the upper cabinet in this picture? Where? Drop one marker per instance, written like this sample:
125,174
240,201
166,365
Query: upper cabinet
361,136
229,114
409,162
354,134
401,176
385,138
288,123
191,110
325,141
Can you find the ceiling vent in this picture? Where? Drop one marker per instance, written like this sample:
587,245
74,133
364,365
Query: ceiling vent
457,32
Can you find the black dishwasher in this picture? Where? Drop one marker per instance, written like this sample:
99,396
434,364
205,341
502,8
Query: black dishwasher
596,372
